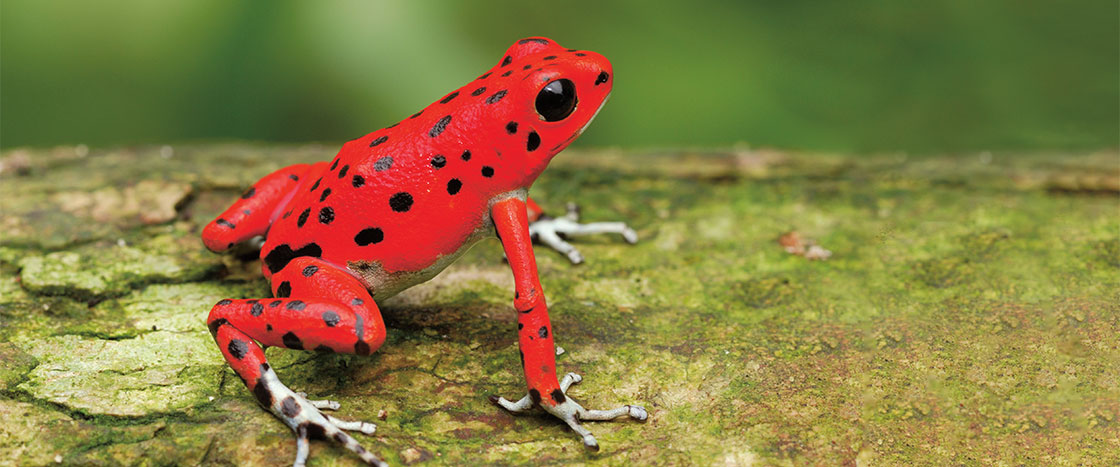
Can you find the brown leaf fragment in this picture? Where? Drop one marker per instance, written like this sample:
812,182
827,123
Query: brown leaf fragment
794,244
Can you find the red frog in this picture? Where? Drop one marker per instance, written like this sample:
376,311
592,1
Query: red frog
396,207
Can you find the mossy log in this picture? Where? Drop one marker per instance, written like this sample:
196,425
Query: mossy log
969,313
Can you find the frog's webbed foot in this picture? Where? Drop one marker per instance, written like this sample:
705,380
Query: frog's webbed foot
553,231
571,412
304,417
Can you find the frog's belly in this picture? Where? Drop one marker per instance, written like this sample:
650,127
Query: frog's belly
383,284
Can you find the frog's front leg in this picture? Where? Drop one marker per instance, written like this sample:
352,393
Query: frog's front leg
252,215
538,353
552,231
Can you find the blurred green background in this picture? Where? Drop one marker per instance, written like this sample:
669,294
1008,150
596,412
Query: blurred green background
940,76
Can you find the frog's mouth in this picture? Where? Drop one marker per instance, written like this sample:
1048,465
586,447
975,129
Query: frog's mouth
596,114
585,125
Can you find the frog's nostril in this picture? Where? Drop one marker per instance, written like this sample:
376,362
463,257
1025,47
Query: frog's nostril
603,77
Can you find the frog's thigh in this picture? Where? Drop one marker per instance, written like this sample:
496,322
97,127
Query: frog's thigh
318,307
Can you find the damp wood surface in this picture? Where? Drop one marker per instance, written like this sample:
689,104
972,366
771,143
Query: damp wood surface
969,313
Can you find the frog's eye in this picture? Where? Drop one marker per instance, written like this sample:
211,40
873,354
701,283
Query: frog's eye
557,100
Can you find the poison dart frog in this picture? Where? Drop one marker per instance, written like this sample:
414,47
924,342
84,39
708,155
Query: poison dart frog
397,206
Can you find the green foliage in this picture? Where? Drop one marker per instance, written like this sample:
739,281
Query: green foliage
952,75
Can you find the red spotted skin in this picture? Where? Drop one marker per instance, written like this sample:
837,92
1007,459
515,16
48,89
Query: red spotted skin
445,164
398,205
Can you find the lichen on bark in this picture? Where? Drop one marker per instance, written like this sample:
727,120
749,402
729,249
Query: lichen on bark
968,315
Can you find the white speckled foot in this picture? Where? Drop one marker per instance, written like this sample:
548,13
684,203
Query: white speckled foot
568,380
305,419
519,407
551,232
321,404
572,413
365,428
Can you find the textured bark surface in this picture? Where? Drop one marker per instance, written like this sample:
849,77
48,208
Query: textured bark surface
968,314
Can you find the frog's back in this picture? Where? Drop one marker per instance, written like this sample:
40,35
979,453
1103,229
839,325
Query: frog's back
401,203
398,205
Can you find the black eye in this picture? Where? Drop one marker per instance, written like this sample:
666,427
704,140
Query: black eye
557,100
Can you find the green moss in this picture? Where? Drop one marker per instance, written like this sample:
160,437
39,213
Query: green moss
943,272
968,315
1108,252
14,366
153,373
765,292
100,270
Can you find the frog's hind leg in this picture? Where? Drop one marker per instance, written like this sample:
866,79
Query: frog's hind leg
252,214
553,231
334,313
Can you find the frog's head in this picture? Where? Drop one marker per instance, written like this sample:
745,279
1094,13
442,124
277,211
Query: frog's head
551,95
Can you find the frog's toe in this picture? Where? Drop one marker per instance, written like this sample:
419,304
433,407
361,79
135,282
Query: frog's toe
519,407
321,404
629,235
365,428
322,426
569,379
571,412
332,428
573,211
555,231
619,228
307,421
